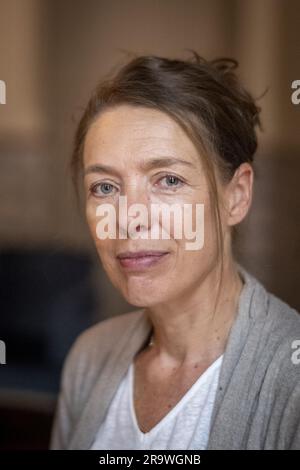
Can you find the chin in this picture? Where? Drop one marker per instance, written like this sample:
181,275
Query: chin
143,299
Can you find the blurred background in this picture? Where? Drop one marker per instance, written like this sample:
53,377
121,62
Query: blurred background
52,54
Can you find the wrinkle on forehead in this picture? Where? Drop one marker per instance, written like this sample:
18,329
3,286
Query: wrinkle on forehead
134,132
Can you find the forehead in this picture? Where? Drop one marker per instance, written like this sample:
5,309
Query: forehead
134,132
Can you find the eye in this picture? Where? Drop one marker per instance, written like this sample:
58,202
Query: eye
171,181
102,189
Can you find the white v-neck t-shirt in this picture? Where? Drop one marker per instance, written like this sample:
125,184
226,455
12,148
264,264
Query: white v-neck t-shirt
186,426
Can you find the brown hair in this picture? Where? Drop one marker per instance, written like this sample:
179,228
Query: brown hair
203,96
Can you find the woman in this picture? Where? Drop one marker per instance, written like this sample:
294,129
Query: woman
207,361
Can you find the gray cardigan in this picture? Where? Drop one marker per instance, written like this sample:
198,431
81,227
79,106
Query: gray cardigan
257,403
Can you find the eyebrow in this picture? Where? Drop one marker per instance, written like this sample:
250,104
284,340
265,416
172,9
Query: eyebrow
146,166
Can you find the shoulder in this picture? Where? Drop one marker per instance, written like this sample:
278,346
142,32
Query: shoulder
283,374
82,366
282,344
274,332
100,338
274,322
90,352
283,319
276,318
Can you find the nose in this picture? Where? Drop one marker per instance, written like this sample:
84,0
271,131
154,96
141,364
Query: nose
134,216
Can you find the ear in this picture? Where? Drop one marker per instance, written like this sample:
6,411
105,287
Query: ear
239,194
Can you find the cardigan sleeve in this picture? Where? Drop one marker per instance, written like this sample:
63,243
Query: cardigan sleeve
81,368
290,422
284,419
63,418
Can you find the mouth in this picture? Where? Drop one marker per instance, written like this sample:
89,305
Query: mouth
141,260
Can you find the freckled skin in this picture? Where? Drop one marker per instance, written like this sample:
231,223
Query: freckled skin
124,137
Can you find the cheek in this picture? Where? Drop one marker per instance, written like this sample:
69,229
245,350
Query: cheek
199,242
192,226
210,227
187,261
173,216
105,250
98,224
90,214
105,247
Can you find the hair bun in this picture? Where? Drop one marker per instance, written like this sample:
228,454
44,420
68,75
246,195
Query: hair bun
225,64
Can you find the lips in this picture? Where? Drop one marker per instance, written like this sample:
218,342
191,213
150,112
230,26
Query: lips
141,260
140,254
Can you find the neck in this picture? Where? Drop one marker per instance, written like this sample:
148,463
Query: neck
188,329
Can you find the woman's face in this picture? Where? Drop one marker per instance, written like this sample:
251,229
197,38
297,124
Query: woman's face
144,155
